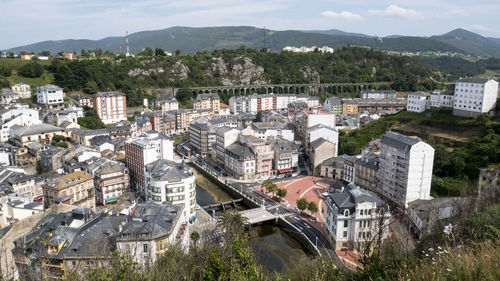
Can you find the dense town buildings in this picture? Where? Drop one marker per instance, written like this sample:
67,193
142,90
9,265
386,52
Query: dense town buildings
143,150
49,95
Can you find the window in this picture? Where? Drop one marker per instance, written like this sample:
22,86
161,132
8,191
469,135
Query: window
145,248
346,223
345,234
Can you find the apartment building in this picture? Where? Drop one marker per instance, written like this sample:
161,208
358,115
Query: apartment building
381,106
225,136
378,94
354,217
239,161
350,106
254,103
207,101
111,107
286,155
417,102
264,130
166,104
75,189
321,131
474,96
334,105
173,182
319,151
366,171
140,151
150,229
111,180
307,119
442,99
202,132
264,155
49,95
405,170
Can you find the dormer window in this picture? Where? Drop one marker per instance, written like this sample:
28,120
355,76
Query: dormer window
346,213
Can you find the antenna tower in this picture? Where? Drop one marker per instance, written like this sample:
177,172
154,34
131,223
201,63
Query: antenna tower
126,43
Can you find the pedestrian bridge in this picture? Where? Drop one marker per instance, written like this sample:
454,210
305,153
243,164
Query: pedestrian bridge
257,215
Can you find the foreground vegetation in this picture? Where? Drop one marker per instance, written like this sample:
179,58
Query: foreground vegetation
470,253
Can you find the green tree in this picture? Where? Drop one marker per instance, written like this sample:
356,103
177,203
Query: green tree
281,192
313,207
258,116
195,236
91,87
147,52
232,222
31,69
272,188
160,52
302,204
4,83
177,52
5,71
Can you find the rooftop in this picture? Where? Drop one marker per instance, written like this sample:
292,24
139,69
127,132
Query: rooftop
240,150
170,171
474,80
398,141
50,87
35,129
109,94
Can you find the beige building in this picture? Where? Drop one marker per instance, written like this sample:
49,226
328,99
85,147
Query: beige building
110,106
74,189
320,150
207,101
36,133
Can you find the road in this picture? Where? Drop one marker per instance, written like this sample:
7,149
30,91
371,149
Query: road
314,235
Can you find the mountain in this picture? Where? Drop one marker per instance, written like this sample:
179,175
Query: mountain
470,42
496,40
191,40
338,32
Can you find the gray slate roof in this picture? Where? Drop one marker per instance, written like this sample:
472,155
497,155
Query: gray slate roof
35,129
165,170
240,150
398,141
319,142
474,80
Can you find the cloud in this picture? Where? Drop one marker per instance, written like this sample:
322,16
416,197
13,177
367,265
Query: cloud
393,11
458,13
342,15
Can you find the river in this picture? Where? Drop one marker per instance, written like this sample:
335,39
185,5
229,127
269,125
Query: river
276,249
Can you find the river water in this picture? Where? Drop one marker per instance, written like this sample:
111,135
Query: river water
276,249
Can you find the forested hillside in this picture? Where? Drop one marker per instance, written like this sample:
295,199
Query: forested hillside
242,66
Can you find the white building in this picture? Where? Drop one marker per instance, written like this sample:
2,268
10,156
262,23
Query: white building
263,130
474,96
255,103
140,151
49,95
21,120
225,136
354,217
442,100
405,171
417,102
321,131
9,113
173,182
149,230
168,104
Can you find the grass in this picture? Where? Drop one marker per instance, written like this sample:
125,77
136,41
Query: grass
475,262
46,78
180,139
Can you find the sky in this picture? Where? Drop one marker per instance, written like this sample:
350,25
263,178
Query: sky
30,21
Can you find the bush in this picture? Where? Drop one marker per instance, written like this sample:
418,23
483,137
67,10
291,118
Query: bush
32,70
5,71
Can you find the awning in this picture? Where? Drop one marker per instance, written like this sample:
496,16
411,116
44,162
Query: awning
285,170
109,200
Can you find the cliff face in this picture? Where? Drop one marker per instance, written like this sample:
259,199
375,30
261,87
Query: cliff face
238,71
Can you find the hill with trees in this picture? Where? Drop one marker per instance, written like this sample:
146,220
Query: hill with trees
192,40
